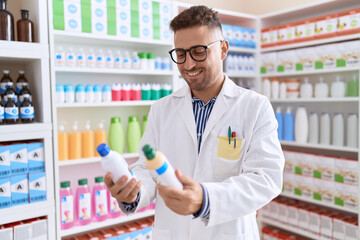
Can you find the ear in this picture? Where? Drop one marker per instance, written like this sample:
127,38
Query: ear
224,49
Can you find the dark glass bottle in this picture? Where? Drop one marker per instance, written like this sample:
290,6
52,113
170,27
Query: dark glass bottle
6,23
27,111
5,81
10,94
2,116
21,81
11,112
25,28
25,92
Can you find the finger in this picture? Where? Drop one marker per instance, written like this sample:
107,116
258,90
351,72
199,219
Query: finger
183,178
133,194
169,192
115,189
124,194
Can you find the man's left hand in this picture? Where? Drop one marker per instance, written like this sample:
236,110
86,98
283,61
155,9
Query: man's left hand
184,202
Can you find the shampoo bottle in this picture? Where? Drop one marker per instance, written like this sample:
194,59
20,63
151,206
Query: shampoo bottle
321,89
306,89
301,125
338,88
289,125
280,119
88,145
314,128
116,135
63,144
100,136
325,129
75,142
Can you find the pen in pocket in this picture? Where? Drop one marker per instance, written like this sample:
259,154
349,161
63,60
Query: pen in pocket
233,135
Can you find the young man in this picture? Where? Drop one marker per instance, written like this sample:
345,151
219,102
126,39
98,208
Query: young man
225,181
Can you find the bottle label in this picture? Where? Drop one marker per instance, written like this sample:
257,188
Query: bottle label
101,203
118,63
2,115
13,96
91,61
20,85
27,112
21,98
71,60
67,209
81,61
110,62
114,205
4,86
84,206
11,113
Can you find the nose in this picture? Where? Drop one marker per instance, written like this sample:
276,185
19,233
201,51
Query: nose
189,63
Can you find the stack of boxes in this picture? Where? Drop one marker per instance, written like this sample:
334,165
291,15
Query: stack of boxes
22,176
35,229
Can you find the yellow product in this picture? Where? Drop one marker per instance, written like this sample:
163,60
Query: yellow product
87,137
100,137
63,144
74,143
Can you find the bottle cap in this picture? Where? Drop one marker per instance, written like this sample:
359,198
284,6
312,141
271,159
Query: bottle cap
59,87
82,181
142,55
99,179
75,126
106,88
101,124
126,86
115,120
145,86
89,88
21,72
149,152
116,86
79,88
150,55
97,88
87,125
6,71
65,184
133,119
145,118
103,149
61,127
306,80
69,88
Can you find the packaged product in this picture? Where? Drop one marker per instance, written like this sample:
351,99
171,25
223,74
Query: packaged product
352,228
326,224
326,56
289,183
348,22
346,171
304,164
286,61
304,186
346,196
324,167
305,59
304,30
324,191
268,37
228,33
348,54
290,161
325,26
285,34
268,62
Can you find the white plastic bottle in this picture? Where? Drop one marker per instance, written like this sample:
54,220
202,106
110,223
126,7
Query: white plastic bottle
321,89
109,59
301,125
306,89
113,162
100,59
352,131
314,128
275,88
157,162
338,88
230,63
282,89
89,93
70,57
90,58
338,130
60,56
266,87
135,61
126,60
118,60
325,129
80,57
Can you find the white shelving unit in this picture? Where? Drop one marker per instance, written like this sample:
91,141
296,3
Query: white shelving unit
320,147
314,72
112,71
317,100
106,104
33,58
85,161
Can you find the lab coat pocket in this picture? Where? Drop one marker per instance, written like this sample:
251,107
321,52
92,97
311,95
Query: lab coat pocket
160,234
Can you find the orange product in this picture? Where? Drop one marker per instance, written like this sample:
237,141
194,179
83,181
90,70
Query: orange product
268,37
304,30
325,26
285,34
348,22
100,137
63,144
88,146
74,143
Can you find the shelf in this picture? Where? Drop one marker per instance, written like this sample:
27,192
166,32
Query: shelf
107,104
319,146
93,160
104,40
312,100
311,43
242,50
306,73
12,51
237,75
289,228
318,203
106,223
112,71
26,211
13,132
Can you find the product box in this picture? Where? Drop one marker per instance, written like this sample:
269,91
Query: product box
18,158
4,161
146,26
324,168
39,229
285,34
348,22
327,224
99,20
72,16
23,231
252,41
290,161
36,159
304,164
304,186
305,59
269,62
314,220
304,215
6,233
289,183
283,210
228,34
352,228
325,26
304,30
339,227
72,8
274,209
327,55
19,189
346,171
348,54
145,6
346,196
245,36
5,193
123,4
268,37
293,215
123,23
238,36
37,187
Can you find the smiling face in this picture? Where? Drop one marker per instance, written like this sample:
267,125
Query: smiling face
208,75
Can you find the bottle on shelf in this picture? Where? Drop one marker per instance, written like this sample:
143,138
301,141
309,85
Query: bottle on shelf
100,136
275,88
100,59
301,125
165,90
10,93
353,87
306,89
89,93
143,126
145,91
282,91
118,60
60,94
88,144
151,61
126,60
5,80
157,162
321,89
106,93
66,206
288,125
314,128
113,206
63,143
27,113
60,56
325,129
135,92
125,92
266,89
80,93
24,93
70,57
116,135
80,57
112,161
280,119
11,112
338,130
135,61
25,27
143,61
97,93
69,93
7,23
338,88
83,203
21,81
99,200
2,112
155,91
133,134
90,58
116,92
75,142
109,59
352,131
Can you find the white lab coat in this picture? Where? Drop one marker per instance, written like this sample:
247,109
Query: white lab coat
237,188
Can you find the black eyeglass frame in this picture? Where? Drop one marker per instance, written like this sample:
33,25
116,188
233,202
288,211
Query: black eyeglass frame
189,50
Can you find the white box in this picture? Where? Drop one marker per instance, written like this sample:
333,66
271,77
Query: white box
37,187
283,212
123,23
346,171
19,189
18,158
350,52
72,8
289,183
39,229
327,55
99,27
306,57
98,13
327,225
102,3
293,215
290,161
304,164
165,9
287,60
22,231
352,230
72,24
36,157
145,25
324,168
123,4
274,210
145,6
303,220
304,186
4,161
6,233
5,193
269,61
314,222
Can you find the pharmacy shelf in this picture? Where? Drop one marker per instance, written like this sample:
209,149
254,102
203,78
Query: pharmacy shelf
237,75
314,72
27,211
93,160
242,50
22,51
106,223
312,43
316,202
112,71
104,40
14,132
319,146
289,228
107,104
312,100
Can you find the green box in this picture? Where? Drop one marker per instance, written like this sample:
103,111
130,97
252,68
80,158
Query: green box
319,65
263,70
339,201
317,196
134,5
59,22
280,68
299,67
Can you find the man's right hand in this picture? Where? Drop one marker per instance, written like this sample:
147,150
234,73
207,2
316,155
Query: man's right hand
127,194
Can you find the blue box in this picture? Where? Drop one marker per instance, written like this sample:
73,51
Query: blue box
36,159
4,161
19,189
228,33
5,193
252,38
37,187
18,158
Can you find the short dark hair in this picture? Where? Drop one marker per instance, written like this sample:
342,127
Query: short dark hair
196,16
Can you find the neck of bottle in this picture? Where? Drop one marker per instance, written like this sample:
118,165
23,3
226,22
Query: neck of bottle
2,5
24,15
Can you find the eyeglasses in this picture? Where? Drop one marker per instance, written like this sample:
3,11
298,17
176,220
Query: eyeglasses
198,53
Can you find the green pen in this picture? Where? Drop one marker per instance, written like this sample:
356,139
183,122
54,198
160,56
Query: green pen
229,135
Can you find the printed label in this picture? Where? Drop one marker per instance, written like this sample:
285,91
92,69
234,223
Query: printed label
84,206
2,115
101,203
11,113
7,97
114,206
67,209
21,98
20,85
27,112
4,87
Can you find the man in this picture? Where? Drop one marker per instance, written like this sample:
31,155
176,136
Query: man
225,181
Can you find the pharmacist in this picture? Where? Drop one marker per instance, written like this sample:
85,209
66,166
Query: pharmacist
224,182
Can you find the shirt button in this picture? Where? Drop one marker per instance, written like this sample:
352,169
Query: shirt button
199,134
